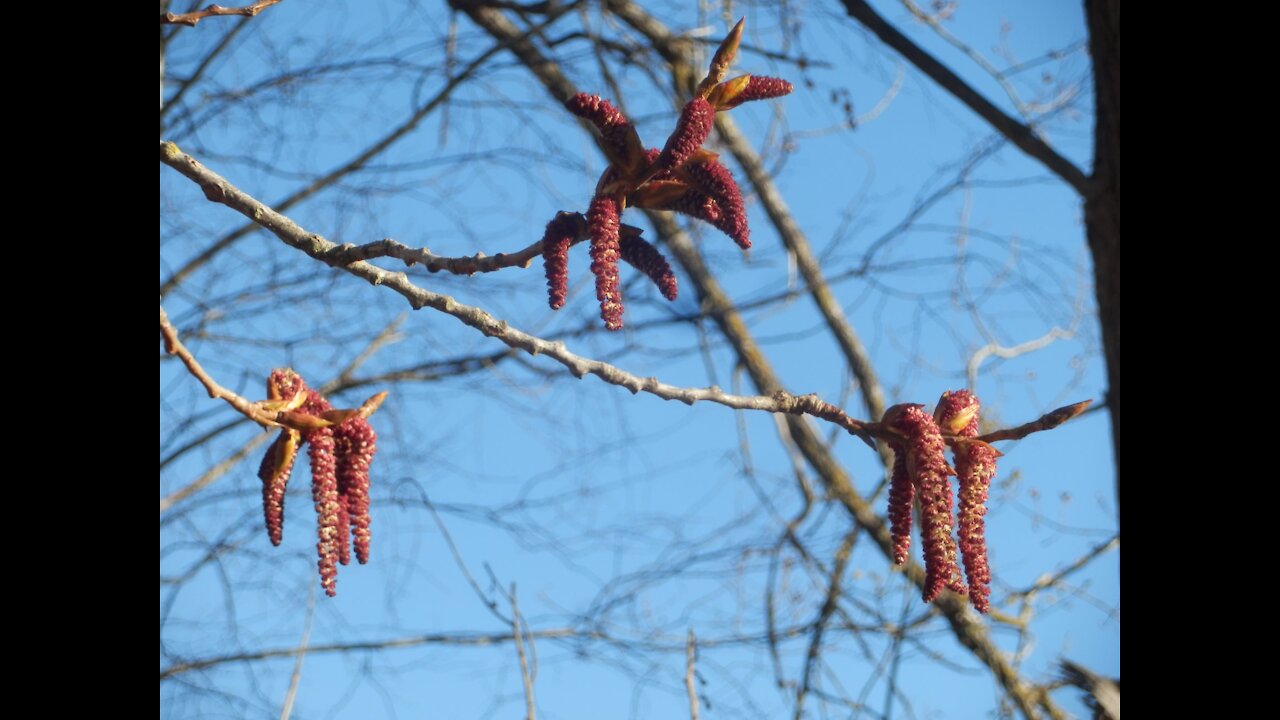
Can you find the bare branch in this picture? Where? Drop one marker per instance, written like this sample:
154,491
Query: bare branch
1047,421
468,265
1021,135
1049,580
357,162
218,189
295,678
994,349
174,346
190,19
829,605
971,633
266,413
690,674
518,631
458,639
209,476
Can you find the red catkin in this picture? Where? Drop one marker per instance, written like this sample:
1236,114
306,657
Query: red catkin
356,445
555,257
340,457
761,88
718,183
602,227
691,131
901,493
274,472
927,466
324,493
609,120
695,204
975,463
647,259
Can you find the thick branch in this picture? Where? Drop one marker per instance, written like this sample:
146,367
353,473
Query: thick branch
218,189
1021,135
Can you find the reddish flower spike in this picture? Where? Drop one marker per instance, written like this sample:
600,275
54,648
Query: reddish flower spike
356,444
602,227
647,259
957,412
718,183
621,142
759,88
555,257
691,131
274,472
928,469
340,456
693,203
324,492
901,493
682,177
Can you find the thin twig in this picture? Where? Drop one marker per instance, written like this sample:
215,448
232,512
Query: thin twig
829,605
1048,421
191,18
296,678
690,674
1049,580
994,349
386,336
174,346
518,630
467,265
214,472
459,639
361,160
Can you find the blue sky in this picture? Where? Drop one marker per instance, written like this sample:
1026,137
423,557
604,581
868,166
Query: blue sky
649,516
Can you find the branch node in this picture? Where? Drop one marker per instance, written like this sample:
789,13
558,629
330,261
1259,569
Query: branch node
214,193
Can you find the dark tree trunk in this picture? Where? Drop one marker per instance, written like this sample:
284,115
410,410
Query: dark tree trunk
1102,205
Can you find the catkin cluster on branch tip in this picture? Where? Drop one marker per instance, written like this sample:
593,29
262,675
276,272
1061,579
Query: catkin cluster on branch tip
682,177
340,446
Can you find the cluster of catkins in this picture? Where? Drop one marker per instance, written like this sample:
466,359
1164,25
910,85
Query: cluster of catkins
341,445
682,177
920,471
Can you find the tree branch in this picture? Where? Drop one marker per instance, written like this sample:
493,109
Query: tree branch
191,18
519,631
217,189
690,674
1048,421
1021,135
468,265
968,631
359,161
465,639
174,346
775,207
